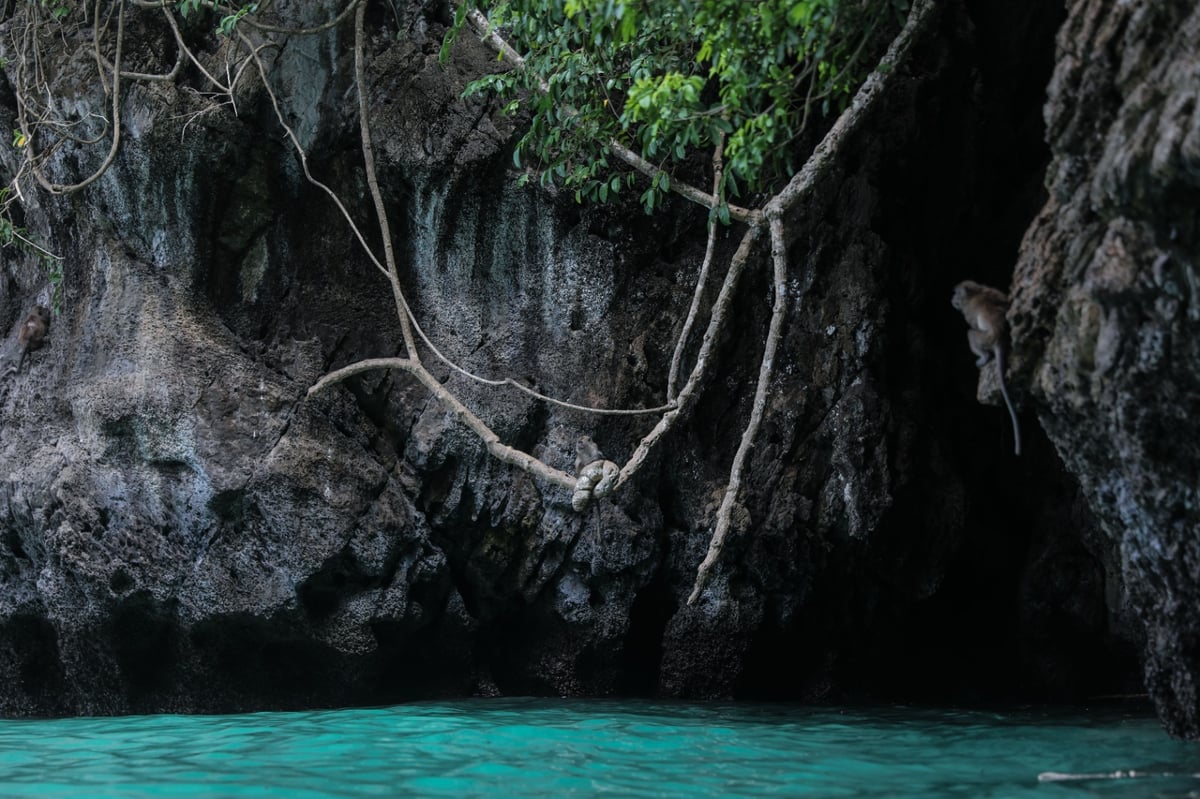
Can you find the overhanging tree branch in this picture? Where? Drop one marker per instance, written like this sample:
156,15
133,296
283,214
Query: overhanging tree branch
821,160
485,31
801,184
826,153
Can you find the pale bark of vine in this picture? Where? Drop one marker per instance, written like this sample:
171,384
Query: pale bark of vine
690,391
685,332
774,333
461,412
368,151
822,159
685,190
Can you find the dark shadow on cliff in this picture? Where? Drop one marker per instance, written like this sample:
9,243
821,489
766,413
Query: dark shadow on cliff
986,580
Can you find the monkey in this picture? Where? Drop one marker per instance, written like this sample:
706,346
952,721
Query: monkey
586,452
32,334
984,309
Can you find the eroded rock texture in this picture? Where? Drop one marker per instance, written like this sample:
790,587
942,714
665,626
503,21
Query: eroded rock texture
1107,311
183,529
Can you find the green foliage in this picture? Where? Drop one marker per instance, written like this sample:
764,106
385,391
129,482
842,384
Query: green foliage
670,76
57,9
228,22
188,6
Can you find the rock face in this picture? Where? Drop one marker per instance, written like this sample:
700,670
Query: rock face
1106,311
184,529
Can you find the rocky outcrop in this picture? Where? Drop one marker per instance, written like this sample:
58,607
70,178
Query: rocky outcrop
1106,311
184,529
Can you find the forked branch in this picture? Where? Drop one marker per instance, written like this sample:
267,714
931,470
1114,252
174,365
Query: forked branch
801,184
685,332
495,446
774,333
483,28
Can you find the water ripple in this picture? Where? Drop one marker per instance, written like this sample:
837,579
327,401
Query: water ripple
559,748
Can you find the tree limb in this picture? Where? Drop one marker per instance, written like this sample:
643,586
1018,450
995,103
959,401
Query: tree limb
822,159
774,333
501,451
702,278
385,229
827,151
747,215
483,28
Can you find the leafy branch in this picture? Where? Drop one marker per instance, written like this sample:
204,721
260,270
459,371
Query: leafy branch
600,78
756,57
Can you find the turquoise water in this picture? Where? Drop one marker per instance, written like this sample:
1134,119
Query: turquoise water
557,748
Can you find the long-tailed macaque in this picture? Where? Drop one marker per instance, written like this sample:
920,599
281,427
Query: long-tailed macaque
32,334
586,452
984,308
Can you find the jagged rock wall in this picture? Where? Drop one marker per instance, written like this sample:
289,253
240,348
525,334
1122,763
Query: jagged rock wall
1106,312
184,529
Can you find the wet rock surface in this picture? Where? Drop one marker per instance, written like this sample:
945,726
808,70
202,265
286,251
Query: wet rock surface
184,529
1106,312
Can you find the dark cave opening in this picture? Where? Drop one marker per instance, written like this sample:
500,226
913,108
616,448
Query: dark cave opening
987,580
641,656
996,580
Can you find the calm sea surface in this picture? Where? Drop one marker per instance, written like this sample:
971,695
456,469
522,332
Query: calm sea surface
556,748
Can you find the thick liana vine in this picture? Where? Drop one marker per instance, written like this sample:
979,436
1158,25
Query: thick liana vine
598,76
621,94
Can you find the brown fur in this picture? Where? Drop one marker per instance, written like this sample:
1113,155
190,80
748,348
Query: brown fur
32,334
586,452
985,310
33,330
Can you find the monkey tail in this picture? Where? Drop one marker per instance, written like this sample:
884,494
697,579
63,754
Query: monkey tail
14,368
1004,393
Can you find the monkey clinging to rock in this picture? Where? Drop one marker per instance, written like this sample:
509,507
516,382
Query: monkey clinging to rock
984,308
32,334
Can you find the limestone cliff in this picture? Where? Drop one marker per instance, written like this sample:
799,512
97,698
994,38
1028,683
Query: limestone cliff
184,529
1107,311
